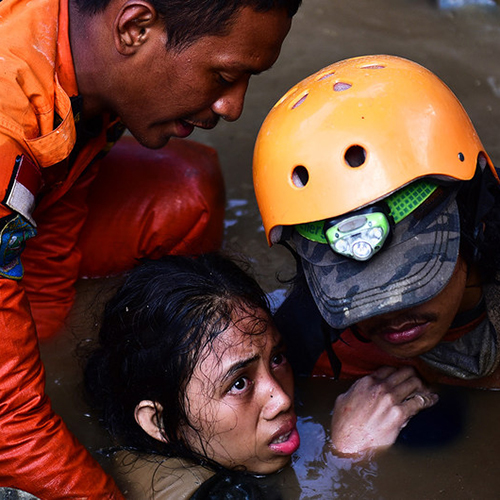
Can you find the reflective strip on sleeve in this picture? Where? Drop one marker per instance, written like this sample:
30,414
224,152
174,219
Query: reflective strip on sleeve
24,185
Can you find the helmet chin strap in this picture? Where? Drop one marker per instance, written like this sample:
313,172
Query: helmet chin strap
331,334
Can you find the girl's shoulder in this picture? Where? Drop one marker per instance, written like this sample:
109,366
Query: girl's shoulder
142,476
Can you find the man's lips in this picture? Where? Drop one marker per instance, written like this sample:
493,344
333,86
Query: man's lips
183,129
401,333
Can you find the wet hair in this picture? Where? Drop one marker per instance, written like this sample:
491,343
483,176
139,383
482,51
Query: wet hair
152,335
186,21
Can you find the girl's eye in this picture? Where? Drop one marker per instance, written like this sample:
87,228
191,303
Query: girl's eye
240,385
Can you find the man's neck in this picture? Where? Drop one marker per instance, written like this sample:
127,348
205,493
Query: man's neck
87,35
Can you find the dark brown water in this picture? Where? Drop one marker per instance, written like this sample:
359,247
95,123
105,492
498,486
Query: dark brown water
454,454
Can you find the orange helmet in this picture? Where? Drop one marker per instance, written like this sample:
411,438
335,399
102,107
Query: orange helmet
352,134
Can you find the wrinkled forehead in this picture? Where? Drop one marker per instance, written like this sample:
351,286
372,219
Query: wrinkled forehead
251,335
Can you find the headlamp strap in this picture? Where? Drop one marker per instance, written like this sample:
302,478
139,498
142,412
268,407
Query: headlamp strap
401,203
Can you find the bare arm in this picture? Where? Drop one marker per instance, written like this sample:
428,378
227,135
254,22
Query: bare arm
373,411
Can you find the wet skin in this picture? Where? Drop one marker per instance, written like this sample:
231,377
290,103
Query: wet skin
159,92
414,331
240,399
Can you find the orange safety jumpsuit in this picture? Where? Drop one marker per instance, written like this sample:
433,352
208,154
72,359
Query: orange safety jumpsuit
93,216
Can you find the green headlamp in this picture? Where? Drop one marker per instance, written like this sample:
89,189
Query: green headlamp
361,234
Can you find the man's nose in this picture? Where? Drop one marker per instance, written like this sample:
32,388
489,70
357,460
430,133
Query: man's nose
229,105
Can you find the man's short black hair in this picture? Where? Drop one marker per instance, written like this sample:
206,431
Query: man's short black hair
188,20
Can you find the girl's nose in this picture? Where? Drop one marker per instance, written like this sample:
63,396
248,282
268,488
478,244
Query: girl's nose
276,400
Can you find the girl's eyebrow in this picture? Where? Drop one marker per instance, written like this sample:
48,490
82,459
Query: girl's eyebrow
239,365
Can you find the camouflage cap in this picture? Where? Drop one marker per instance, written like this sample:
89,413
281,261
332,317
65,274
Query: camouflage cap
414,267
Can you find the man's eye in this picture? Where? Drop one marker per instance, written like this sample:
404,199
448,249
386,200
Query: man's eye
224,81
240,385
278,359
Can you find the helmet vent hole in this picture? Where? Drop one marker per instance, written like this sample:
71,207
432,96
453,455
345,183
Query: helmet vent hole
461,156
355,156
341,86
300,176
300,101
374,66
325,76
286,96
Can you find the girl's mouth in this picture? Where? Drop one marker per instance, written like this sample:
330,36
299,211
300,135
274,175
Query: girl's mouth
287,443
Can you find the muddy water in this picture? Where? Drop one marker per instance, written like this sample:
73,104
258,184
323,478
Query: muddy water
452,455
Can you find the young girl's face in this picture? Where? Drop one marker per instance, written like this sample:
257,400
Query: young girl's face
240,399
